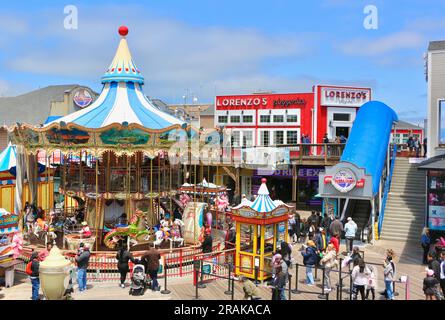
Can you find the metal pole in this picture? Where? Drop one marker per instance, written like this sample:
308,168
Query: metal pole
296,279
165,291
350,287
256,275
233,289
228,290
322,296
290,287
196,284
201,283
316,276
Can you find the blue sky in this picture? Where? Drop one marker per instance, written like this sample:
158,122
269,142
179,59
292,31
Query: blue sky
204,48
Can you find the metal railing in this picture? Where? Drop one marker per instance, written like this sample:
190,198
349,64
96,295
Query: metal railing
387,188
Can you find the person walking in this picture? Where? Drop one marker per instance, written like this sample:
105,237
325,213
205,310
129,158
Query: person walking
359,279
371,283
291,227
417,146
389,273
123,256
350,230
83,260
278,285
310,260
329,261
34,276
430,285
425,242
336,227
151,263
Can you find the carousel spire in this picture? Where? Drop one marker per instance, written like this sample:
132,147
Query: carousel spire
263,189
123,67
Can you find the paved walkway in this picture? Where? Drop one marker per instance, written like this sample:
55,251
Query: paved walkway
407,263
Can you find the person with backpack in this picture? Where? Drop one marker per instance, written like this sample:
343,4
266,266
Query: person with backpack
425,242
430,285
123,256
32,270
359,279
310,260
83,260
390,275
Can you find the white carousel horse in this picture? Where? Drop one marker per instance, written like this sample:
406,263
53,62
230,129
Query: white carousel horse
169,232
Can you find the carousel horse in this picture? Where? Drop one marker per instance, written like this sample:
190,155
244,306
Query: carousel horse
222,202
137,232
184,199
169,231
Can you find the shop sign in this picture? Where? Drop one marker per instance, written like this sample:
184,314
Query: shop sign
344,180
345,97
268,101
82,98
309,172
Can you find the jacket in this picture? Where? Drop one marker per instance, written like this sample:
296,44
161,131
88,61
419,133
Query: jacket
83,259
35,266
122,258
250,289
430,285
435,266
335,243
320,241
206,245
389,272
310,257
426,240
350,229
151,259
336,227
329,260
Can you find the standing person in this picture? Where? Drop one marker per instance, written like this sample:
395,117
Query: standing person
350,230
291,227
311,231
371,282
329,261
410,144
325,224
335,241
355,256
430,285
286,252
310,260
312,219
359,279
231,236
278,285
336,227
417,146
442,272
389,273
425,243
297,227
207,244
151,263
434,265
320,240
328,148
34,275
424,147
122,257
83,260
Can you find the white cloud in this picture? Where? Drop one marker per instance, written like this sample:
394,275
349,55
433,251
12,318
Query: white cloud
375,47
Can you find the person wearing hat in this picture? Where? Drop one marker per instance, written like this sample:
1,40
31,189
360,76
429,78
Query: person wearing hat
430,285
85,232
350,230
83,260
310,259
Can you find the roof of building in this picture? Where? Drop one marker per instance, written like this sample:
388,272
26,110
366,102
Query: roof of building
434,163
210,111
32,107
406,125
436,45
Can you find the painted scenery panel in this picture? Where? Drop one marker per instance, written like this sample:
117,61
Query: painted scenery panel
67,136
124,137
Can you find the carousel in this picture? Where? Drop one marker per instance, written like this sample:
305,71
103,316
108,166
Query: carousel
115,163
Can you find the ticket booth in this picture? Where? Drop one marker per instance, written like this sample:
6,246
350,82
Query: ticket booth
261,226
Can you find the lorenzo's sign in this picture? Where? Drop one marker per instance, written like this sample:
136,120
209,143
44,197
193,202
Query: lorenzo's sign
263,101
344,180
344,97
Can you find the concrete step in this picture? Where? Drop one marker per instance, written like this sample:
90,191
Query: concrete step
405,205
403,233
404,208
390,221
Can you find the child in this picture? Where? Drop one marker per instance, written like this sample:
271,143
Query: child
371,283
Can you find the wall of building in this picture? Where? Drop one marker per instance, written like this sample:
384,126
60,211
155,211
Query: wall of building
3,139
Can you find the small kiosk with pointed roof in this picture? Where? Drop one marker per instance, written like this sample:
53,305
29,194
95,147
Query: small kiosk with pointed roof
261,226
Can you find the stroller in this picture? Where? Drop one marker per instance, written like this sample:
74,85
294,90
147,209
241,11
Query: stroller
138,280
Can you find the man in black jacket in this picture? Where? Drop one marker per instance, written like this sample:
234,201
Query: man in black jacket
35,281
82,260
434,264
206,245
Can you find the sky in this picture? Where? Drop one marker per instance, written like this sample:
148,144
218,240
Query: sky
206,48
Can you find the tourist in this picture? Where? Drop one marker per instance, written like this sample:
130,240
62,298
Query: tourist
310,260
278,285
430,285
34,276
325,224
312,219
251,291
231,236
318,219
45,253
207,243
329,261
425,243
291,227
389,273
350,230
410,144
151,263
424,147
320,239
336,227
303,230
325,141
286,253
434,264
355,256
335,241
123,256
417,146
359,279
297,227
85,232
371,282
83,260
311,231
442,272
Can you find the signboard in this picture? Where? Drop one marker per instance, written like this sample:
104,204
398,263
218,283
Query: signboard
82,98
264,101
344,180
9,221
436,217
207,268
344,97
330,206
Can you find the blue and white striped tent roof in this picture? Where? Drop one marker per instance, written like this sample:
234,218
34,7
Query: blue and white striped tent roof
8,158
263,203
121,100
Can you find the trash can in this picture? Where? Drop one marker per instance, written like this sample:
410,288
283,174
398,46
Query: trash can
9,277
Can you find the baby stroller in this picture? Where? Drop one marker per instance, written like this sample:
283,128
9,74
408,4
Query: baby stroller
138,280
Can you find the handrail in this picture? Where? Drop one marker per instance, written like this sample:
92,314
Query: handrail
387,187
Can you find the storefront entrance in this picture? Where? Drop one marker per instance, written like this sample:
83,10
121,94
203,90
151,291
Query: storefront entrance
342,131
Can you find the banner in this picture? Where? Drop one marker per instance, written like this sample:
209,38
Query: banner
193,219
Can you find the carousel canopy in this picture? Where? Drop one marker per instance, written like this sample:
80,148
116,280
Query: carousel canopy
8,222
263,203
121,100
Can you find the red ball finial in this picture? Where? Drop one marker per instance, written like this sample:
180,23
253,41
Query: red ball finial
123,31
264,180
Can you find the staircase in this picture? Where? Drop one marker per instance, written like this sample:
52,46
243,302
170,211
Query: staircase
405,208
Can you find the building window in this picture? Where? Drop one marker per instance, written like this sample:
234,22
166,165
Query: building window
279,137
292,118
236,138
264,138
292,137
341,117
265,118
247,119
223,119
247,139
235,119
278,118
